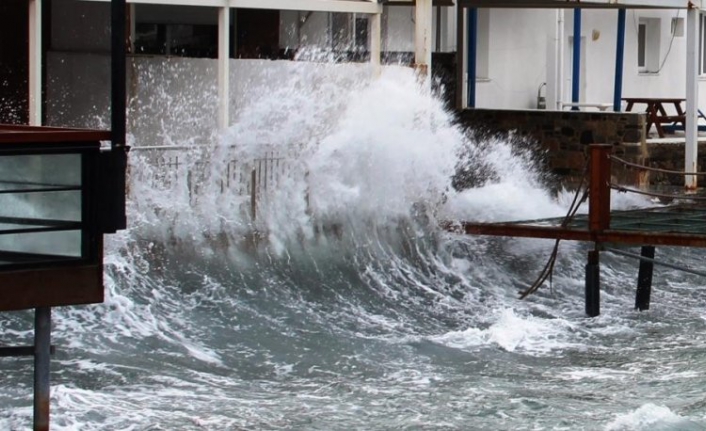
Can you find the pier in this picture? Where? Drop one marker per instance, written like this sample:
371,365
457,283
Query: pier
682,224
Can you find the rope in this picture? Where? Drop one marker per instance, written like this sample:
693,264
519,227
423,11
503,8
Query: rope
548,270
656,262
622,189
648,168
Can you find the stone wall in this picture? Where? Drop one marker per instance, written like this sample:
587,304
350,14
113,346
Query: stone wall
565,136
670,156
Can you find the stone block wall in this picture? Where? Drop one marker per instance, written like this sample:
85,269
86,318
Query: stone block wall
565,136
671,157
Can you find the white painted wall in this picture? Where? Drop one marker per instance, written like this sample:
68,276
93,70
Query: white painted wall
600,32
519,53
517,58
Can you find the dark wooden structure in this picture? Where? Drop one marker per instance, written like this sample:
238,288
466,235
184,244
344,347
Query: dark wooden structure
61,190
679,225
51,253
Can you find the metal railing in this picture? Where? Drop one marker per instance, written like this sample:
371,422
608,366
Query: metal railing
162,167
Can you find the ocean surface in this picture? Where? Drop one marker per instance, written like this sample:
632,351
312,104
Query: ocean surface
349,308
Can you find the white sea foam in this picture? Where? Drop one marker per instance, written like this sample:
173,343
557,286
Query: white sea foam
652,417
514,333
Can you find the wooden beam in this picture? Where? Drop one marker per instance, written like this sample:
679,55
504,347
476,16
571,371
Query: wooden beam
67,285
568,234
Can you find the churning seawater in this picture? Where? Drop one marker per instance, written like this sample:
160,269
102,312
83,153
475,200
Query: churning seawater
352,309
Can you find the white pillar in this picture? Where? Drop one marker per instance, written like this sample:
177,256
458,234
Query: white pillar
560,60
692,96
375,42
35,62
223,67
423,36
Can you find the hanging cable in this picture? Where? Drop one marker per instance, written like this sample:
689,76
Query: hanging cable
548,270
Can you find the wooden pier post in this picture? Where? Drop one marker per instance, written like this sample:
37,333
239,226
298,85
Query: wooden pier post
593,284
598,220
644,278
42,352
599,188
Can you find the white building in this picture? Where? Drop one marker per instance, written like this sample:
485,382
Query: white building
521,53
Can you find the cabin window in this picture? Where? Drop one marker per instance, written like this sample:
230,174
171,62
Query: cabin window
648,41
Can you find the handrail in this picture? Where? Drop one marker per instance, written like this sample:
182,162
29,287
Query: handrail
623,189
648,168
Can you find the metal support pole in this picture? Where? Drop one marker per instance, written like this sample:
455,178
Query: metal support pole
223,67
599,188
472,55
593,284
692,97
35,62
619,59
42,352
376,43
644,278
116,167
460,60
576,64
423,37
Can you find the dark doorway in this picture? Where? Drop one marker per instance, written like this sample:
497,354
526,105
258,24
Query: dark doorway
258,33
14,61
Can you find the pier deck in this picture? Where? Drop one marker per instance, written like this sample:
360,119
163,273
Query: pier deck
673,225
679,225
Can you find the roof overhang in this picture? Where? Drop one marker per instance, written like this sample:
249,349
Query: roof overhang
349,6
584,4
414,2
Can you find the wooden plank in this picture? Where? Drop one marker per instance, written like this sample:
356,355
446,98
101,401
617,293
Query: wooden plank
11,134
606,236
51,287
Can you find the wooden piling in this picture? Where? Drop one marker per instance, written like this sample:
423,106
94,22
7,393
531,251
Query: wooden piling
599,188
42,352
598,220
593,285
644,278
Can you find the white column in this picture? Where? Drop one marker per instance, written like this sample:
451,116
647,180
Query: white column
692,96
35,62
560,60
375,42
223,67
423,36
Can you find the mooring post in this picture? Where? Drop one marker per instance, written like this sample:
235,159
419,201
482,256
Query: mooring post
593,284
42,352
644,278
598,220
599,188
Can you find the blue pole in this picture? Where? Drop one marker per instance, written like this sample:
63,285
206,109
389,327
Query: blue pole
619,54
472,48
576,67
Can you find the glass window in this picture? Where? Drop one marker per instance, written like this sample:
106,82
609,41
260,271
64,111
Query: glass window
41,207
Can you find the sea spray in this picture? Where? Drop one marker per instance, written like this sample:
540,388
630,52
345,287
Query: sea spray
352,310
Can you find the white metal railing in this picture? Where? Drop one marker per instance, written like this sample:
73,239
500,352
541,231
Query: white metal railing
254,179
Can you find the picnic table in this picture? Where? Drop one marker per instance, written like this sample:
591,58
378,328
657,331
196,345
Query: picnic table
656,110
